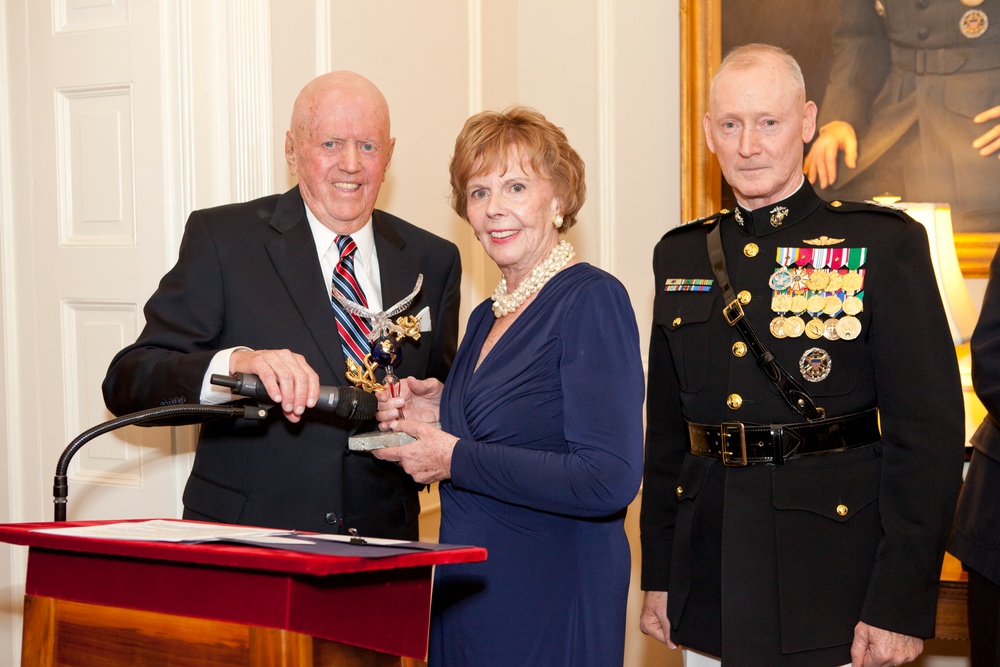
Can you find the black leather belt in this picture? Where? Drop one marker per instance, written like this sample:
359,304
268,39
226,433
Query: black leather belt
739,444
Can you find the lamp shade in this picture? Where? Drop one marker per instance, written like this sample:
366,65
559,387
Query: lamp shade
936,219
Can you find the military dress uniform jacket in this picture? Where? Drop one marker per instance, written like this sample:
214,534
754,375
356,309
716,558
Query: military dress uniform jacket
976,537
248,275
775,564
910,77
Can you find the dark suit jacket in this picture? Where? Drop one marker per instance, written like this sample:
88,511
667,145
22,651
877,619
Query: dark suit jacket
976,537
248,274
759,564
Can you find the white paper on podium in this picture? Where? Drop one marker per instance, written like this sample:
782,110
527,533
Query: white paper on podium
165,530
161,530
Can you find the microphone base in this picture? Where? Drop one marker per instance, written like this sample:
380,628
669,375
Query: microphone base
366,442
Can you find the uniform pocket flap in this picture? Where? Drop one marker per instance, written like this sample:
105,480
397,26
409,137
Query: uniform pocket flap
692,477
677,309
839,492
226,503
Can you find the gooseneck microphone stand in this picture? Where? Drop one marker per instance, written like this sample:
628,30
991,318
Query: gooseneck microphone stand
60,487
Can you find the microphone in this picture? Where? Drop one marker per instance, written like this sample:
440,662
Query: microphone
346,402
163,414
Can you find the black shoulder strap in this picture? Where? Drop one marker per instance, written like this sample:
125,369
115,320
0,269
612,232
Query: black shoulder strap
793,393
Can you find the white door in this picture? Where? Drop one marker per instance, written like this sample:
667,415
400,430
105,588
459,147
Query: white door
98,206
92,224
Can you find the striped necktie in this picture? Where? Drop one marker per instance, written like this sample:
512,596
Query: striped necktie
353,329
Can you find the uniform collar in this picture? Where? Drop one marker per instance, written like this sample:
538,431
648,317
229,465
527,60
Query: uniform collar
779,215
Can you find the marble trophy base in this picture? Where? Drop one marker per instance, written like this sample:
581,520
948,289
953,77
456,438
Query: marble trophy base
366,442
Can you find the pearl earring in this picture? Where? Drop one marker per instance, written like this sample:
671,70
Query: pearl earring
557,221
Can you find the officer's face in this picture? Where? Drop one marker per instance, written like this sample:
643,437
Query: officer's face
757,126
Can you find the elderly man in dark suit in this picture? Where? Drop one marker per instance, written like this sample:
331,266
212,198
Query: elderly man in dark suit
804,412
976,536
251,292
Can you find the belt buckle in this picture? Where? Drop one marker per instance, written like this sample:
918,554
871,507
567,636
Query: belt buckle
736,309
727,459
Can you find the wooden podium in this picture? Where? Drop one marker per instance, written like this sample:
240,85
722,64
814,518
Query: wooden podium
103,602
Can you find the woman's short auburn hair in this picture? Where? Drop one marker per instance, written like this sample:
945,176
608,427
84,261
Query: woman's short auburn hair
487,141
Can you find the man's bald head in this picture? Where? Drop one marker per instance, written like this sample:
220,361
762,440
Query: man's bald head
338,146
343,85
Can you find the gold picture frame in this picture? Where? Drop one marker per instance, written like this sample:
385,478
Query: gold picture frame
701,180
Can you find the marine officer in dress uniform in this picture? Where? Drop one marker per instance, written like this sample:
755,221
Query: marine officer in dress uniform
805,423
913,107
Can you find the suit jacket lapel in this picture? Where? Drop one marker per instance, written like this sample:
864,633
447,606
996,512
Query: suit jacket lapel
397,269
293,252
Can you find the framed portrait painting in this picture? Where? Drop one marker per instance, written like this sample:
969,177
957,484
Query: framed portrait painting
818,35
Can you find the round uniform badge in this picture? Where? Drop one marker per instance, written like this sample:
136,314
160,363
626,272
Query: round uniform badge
780,279
852,281
794,326
778,327
974,23
830,329
815,328
853,305
832,305
815,364
818,280
848,327
816,303
799,303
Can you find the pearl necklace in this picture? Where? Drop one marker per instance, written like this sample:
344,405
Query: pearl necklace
505,304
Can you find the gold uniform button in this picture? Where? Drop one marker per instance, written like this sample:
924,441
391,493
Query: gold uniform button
734,401
739,348
676,323
836,204
751,250
680,490
842,510
744,297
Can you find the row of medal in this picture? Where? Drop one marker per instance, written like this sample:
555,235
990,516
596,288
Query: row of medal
826,287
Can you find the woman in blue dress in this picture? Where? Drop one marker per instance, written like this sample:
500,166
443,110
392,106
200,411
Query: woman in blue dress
539,451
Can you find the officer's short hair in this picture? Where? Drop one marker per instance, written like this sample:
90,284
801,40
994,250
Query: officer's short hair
749,55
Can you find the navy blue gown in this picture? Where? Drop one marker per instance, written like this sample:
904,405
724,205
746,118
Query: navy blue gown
549,457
